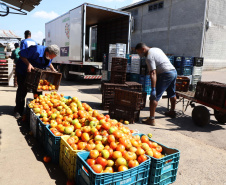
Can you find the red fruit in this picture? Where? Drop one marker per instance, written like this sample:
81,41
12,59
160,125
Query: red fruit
91,162
102,161
142,158
97,168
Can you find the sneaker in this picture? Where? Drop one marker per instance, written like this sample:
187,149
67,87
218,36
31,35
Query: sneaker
144,120
17,115
150,121
171,114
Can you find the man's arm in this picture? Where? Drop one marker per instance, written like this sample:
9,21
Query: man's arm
25,60
52,68
153,78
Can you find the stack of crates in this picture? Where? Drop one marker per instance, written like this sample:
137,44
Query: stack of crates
145,80
7,72
183,65
171,59
197,72
118,70
135,64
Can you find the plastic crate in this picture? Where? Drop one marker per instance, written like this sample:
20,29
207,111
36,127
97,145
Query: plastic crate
186,71
195,79
118,77
147,89
134,85
123,112
33,78
135,77
164,171
197,70
52,145
145,80
144,70
33,123
187,61
198,61
41,136
137,175
68,158
171,59
177,61
128,98
119,64
182,83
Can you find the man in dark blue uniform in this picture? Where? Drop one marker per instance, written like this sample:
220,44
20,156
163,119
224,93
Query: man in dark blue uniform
27,42
35,56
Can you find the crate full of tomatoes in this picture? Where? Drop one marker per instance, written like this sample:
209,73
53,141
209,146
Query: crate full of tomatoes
43,80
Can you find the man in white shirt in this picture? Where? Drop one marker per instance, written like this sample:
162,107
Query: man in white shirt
163,78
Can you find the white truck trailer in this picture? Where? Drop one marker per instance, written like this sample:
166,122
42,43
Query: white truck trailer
83,35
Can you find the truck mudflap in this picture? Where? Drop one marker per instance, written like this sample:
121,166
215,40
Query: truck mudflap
93,77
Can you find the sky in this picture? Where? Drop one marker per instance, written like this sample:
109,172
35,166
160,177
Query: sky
46,11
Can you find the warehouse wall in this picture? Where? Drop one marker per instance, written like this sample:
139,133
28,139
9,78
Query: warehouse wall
177,28
215,36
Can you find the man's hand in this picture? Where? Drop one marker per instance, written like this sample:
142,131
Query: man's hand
153,94
29,68
52,68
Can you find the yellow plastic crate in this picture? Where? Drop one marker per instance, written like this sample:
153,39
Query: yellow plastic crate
68,158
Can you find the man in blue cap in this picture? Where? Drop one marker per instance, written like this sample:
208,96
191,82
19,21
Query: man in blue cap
35,56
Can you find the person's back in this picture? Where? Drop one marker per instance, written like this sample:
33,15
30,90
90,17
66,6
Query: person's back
27,42
156,58
15,53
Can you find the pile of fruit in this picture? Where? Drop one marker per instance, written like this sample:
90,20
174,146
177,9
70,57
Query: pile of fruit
112,146
45,85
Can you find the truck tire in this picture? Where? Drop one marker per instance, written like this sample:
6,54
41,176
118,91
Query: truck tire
220,116
65,72
201,115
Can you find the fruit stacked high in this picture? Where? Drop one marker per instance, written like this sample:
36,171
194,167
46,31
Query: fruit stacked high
45,86
112,146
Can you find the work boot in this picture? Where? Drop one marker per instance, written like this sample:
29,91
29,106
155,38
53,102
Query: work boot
17,115
171,114
149,121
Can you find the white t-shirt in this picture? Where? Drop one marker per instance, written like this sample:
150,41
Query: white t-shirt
157,60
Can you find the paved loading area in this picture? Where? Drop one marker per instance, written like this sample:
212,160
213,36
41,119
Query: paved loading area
203,150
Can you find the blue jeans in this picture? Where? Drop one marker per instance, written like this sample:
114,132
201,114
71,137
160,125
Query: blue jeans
166,82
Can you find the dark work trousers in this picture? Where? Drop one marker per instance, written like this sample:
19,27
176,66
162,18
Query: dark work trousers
21,94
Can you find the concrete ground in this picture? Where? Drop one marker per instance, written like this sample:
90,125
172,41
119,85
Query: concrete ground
203,149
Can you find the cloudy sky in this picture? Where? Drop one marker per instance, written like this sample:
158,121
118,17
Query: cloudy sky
46,11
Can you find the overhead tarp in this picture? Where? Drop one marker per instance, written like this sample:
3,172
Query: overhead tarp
27,5
8,34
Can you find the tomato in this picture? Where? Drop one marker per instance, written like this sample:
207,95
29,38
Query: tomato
71,140
129,156
142,158
46,159
111,138
134,143
81,146
102,161
144,139
156,154
136,137
150,144
108,170
74,146
59,121
120,148
158,149
91,162
116,154
140,151
100,116
78,133
154,145
117,134
113,145
94,154
97,168
106,125
122,168
85,137
88,147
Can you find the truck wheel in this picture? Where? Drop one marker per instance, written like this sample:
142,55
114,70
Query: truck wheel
220,116
201,115
65,72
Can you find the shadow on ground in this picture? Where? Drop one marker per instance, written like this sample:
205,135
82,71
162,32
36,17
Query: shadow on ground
90,91
185,122
54,170
79,81
6,110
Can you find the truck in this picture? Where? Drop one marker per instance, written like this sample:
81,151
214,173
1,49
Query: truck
83,35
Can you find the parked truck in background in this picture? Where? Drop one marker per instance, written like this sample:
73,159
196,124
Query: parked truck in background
83,35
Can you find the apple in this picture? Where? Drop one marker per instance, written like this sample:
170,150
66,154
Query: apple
68,130
120,161
98,138
105,154
93,124
112,129
94,154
